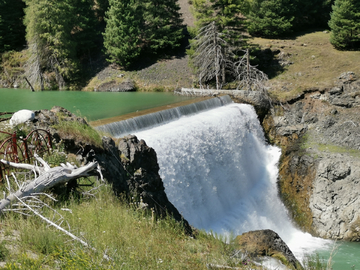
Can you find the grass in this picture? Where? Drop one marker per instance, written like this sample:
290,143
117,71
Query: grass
315,63
132,238
79,131
163,76
310,143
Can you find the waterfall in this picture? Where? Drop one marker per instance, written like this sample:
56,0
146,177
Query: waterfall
221,175
151,120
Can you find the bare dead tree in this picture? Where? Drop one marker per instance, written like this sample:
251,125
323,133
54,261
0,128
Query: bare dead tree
249,77
211,57
214,59
47,178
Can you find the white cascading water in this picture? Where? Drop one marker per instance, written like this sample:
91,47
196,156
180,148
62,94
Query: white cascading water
221,175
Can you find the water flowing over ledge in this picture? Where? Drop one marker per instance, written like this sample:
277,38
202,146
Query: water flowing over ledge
221,175
136,124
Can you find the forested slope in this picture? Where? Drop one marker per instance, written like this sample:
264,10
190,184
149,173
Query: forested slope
63,45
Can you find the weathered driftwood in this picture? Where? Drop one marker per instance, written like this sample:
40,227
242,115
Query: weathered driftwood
47,178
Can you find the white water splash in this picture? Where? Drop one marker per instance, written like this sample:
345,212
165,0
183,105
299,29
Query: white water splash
220,174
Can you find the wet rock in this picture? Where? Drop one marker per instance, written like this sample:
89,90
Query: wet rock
258,99
130,167
267,243
143,179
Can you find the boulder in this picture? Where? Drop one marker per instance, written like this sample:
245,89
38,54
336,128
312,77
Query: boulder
266,243
49,119
21,117
113,86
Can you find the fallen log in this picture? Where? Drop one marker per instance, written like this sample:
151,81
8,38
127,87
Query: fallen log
47,178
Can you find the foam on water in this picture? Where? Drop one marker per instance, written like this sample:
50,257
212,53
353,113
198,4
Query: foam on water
221,175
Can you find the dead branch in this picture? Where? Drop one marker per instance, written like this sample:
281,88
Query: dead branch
249,77
47,178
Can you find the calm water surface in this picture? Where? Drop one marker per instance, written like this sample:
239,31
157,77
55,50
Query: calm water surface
92,105
345,255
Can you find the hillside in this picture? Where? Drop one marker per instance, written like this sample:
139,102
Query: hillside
306,61
294,65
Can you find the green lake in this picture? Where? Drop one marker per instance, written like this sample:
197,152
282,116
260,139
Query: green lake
92,105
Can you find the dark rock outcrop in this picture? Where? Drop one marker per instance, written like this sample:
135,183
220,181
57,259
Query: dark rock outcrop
267,243
131,168
51,120
140,163
259,99
46,119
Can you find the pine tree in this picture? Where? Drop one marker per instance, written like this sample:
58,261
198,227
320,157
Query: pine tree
135,27
12,29
84,27
222,22
311,13
162,25
49,26
225,13
345,24
122,37
271,18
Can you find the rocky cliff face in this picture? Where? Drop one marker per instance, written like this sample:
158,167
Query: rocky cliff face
319,171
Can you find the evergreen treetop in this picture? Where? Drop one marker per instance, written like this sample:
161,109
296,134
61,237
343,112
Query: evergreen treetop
122,37
345,24
12,29
271,18
135,27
